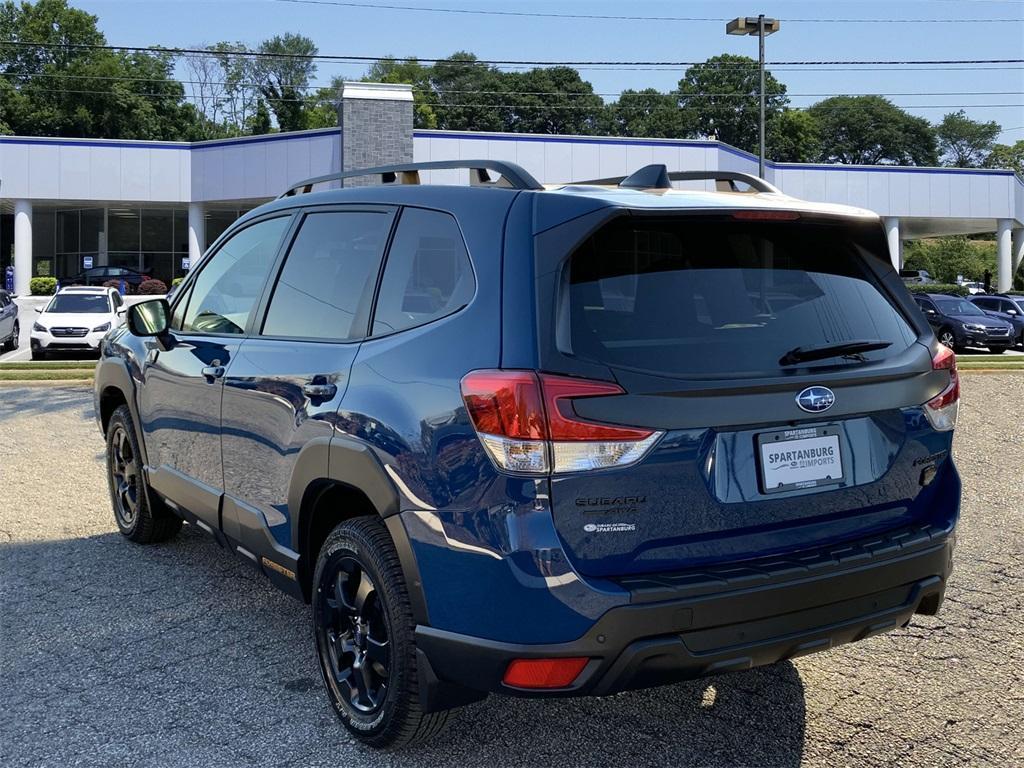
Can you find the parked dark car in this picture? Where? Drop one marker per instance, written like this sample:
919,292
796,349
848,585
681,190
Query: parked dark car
545,442
959,324
1009,309
101,275
10,329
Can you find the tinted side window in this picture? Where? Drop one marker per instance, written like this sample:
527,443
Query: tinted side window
231,282
327,281
428,274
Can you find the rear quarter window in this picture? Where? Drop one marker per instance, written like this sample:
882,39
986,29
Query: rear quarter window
718,297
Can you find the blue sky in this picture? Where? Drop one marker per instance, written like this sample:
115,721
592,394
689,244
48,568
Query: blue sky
374,32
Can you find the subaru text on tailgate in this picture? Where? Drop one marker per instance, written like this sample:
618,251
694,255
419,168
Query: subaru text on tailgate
539,441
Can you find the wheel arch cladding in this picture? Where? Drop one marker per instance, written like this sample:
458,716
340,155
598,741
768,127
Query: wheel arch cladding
334,480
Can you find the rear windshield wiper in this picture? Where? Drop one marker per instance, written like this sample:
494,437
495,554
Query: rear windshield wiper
806,354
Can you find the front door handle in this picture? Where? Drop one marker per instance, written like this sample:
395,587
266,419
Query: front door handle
213,372
320,388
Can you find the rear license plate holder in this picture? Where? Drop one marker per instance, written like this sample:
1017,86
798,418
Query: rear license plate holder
800,458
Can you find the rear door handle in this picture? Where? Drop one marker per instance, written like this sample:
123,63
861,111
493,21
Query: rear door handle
319,387
213,372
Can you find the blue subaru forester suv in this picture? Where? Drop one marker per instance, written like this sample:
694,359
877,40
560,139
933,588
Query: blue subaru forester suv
535,441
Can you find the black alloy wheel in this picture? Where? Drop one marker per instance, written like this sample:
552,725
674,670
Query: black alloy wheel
140,514
124,478
364,633
353,635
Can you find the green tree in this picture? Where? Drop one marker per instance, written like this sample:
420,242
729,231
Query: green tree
947,258
284,70
470,96
259,121
1007,156
61,89
721,98
410,71
872,130
963,142
794,136
554,100
647,113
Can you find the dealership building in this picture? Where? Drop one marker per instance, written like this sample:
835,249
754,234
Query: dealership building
69,204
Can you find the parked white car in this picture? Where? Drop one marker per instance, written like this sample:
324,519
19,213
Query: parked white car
974,288
77,318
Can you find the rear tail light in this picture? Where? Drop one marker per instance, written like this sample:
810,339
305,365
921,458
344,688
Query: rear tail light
544,673
526,422
942,409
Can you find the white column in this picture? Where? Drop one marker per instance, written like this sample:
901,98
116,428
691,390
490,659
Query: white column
892,232
1004,277
196,231
22,246
1016,250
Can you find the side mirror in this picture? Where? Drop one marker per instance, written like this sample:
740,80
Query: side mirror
149,318
1011,312
931,311
121,310
39,310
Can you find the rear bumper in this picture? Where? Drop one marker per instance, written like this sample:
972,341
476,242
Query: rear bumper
677,629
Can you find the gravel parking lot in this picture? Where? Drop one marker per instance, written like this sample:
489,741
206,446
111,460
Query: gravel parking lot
178,655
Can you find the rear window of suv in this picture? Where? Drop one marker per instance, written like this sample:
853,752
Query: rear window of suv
710,296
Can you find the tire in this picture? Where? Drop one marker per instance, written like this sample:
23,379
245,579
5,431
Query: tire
11,343
140,516
38,354
997,350
363,630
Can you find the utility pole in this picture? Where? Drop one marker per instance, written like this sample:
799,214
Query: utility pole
762,27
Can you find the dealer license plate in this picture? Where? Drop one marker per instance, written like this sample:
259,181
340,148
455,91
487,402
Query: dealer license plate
800,458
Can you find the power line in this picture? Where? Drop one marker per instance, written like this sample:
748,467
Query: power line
247,53
604,17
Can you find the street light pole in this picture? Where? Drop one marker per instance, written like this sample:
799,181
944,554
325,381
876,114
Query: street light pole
760,68
762,27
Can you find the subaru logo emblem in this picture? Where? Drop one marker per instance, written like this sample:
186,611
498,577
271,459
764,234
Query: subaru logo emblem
816,399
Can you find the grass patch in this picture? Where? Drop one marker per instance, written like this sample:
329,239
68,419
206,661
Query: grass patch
992,367
63,375
71,365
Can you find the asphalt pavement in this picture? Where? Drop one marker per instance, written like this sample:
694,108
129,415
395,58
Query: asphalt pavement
113,654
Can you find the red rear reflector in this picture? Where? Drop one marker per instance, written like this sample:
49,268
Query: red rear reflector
544,673
766,215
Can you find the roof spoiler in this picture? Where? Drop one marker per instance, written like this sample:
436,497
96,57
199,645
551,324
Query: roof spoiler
657,176
512,175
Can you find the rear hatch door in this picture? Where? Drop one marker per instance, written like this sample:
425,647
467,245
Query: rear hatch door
778,355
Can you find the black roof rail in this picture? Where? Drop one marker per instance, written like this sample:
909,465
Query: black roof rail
512,175
657,176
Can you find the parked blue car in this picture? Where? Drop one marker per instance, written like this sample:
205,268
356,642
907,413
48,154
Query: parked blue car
542,441
1005,307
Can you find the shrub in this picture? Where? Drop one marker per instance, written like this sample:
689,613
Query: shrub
176,281
43,286
152,287
947,288
946,258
